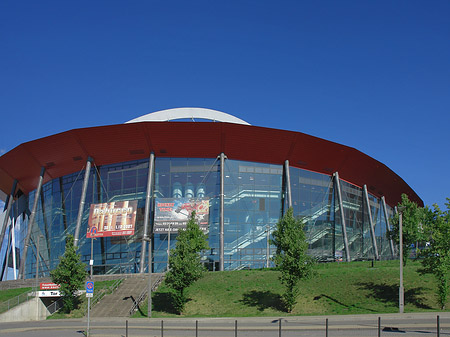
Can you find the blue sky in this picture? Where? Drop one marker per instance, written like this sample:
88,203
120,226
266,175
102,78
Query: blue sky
374,75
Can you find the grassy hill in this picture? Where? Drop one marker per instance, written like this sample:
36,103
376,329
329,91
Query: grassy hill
336,288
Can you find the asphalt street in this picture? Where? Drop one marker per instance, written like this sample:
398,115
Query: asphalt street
414,324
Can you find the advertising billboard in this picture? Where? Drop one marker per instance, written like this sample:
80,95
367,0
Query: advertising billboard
173,214
112,219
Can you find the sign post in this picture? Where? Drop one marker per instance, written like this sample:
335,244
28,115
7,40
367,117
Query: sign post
89,294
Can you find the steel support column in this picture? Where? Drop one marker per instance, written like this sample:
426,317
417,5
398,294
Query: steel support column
8,248
283,193
288,182
11,195
149,291
13,247
372,230
8,205
23,259
147,211
82,201
222,205
388,226
401,289
341,211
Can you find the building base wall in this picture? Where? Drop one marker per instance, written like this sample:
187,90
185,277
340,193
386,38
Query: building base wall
32,310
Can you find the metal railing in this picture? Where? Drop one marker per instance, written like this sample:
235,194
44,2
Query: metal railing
15,301
55,306
290,327
143,294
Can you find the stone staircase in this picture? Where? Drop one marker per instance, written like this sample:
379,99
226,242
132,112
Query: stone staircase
119,303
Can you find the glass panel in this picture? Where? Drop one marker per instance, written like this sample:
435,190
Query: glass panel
252,209
181,177
312,200
357,222
254,202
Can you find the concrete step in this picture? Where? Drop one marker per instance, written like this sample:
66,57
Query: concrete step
119,303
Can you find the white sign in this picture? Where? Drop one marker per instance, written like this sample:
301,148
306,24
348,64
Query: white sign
49,293
89,295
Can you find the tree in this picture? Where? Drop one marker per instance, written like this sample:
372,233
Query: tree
436,255
185,266
411,220
290,258
70,274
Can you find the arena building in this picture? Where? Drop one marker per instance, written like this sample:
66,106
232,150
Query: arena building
114,186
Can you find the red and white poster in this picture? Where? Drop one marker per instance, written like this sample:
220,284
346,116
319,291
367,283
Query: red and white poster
49,286
173,214
116,218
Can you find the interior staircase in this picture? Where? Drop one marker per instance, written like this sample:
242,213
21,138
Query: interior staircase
119,303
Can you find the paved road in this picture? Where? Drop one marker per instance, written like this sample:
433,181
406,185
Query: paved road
422,324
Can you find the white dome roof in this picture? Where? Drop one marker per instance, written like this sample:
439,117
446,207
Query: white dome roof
188,113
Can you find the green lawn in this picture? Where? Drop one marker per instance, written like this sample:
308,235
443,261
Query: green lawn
11,293
9,298
336,288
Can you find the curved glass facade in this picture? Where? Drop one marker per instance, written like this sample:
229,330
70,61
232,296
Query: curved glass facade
255,196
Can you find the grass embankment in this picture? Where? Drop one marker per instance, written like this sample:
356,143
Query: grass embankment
11,293
336,288
12,297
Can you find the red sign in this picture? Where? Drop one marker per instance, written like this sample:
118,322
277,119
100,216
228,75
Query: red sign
112,219
48,286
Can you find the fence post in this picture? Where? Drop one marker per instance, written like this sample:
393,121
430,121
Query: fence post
126,328
326,327
438,327
162,328
279,327
379,326
235,328
196,328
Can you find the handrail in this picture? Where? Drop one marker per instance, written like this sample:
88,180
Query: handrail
55,306
144,294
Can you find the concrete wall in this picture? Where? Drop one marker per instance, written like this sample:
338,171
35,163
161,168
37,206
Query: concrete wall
32,310
35,309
